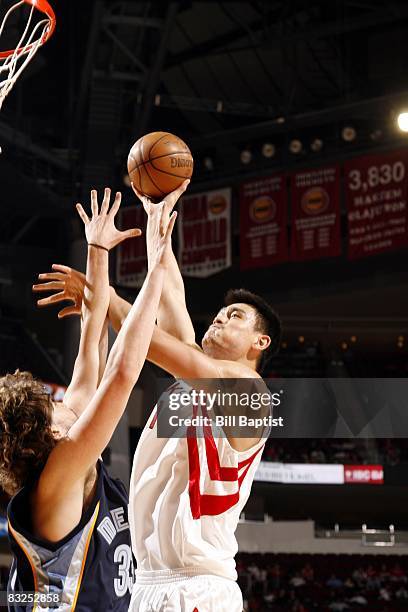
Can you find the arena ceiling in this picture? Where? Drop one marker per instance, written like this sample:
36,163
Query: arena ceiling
222,75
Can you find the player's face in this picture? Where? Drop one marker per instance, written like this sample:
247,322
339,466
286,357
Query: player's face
233,333
62,419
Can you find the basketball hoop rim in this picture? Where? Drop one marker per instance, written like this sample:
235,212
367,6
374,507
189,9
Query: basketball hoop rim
46,8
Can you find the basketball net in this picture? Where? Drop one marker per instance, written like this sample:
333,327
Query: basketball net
13,62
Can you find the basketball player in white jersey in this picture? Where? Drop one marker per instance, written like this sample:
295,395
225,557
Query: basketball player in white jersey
186,495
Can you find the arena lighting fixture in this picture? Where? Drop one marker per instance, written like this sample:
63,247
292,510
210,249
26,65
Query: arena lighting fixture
295,146
348,133
316,145
246,156
402,121
268,150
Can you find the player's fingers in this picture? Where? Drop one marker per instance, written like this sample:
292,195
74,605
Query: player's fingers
49,286
61,268
69,311
164,219
172,198
147,205
67,271
130,233
134,232
171,225
183,187
116,204
144,199
94,202
105,201
82,214
52,276
52,299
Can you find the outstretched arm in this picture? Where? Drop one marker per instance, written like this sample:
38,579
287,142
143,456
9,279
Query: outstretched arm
92,431
103,349
91,298
93,314
173,316
179,358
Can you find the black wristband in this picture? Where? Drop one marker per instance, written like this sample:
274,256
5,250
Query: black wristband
98,246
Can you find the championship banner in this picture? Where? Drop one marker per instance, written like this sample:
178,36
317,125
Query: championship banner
263,222
315,213
131,256
204,233
376,198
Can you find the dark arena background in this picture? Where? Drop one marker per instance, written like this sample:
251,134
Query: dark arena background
294,113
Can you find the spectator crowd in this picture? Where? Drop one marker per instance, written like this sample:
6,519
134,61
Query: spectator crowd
323,583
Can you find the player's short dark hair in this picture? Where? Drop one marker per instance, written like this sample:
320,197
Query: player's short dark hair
25,430
268,321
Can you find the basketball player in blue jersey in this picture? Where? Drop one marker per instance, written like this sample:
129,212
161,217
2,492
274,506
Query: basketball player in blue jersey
186,495
68,521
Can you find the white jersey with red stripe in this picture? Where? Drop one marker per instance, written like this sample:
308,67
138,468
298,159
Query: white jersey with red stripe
186,497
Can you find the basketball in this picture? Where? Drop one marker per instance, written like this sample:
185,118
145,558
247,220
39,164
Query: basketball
158,163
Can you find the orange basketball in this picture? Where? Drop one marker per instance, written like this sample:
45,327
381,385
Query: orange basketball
158,163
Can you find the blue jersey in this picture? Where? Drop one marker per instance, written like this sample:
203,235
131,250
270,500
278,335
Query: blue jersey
90,569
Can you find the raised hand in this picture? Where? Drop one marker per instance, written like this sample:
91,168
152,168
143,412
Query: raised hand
159,250
69,285
168,202
159,213
100,229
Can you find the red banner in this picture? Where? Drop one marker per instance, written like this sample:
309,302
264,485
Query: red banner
263,221
315,214
131,256
363,474
376,197
204,233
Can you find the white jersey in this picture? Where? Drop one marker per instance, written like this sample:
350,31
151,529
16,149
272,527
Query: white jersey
186,497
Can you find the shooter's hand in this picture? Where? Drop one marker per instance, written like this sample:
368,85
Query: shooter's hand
69,285
159,243
168,202
100,230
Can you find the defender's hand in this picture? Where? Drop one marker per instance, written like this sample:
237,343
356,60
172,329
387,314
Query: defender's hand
69,285
100,229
